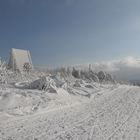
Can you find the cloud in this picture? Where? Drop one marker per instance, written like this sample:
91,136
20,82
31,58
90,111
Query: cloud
125,69
117,64
106,66
129,62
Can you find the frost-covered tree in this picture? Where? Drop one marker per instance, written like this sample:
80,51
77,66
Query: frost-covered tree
75,73
27,67
101,76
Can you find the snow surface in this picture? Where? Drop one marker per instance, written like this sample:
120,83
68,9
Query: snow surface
113,112
46,107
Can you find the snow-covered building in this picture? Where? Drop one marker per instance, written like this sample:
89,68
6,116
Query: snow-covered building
19,59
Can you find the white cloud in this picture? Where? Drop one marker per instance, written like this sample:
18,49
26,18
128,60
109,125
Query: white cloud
125,69
117,64
130,62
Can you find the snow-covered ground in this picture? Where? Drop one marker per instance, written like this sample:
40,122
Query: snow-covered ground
112,112
68,106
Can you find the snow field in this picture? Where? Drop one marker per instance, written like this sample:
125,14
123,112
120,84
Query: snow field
112,114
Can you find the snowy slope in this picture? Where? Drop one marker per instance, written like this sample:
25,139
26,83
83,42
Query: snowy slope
113,113
68,105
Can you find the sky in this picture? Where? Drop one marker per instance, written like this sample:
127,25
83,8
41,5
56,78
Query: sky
62,32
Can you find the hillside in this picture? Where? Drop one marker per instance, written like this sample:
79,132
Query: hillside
68,104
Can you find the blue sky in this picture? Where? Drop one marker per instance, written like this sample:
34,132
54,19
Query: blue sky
59,32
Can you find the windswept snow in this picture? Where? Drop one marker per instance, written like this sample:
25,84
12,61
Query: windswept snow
69,105
112,114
